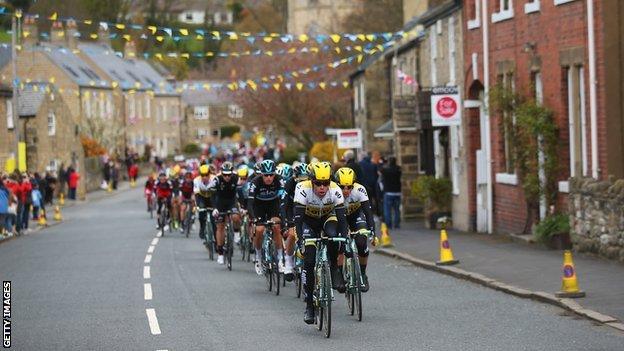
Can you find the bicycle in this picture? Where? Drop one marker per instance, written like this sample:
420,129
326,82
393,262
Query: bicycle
209,240
245,242
229,239
297,272
323,294
353,274
189,217
164,220
150,202
269,258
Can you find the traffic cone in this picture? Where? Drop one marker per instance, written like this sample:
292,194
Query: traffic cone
132,183
110,188
57,214
446,254
62,199
386,241
42,218
569,284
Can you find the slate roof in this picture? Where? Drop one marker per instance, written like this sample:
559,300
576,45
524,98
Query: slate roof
77,69
127,72
201,96
5,55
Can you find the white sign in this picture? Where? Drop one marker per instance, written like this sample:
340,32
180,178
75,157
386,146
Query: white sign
349,138
445,107
201,112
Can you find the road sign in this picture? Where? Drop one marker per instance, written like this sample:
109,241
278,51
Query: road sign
349,138
445,106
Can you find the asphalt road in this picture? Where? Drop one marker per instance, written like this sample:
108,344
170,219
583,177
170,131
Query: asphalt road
83,285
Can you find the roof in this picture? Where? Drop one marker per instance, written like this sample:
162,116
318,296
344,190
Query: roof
385,130
5,55
127,72
30,101
75,67
200,96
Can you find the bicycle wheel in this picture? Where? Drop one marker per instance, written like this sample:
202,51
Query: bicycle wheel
229,247
298,282
210,243
187,222
150,207
357,293
328,300
348,271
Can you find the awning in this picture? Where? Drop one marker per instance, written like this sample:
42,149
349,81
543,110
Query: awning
385,131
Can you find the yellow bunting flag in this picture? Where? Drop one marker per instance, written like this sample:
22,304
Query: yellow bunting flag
358,48
322,85
26,33
299,86
337,49
370,37
126,36
54,17
268,39
345,84
184,31
359,58
160,38
335,38
209,54
120,26
199,37
216,34
269,53
93,36
303,38
115,84
276,86
158,56
153,29
314,49
186,55
207,86
88,22
361,37
252,84
233,36
52,80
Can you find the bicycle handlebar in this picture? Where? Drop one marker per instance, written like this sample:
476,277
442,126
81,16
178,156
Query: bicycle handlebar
324,239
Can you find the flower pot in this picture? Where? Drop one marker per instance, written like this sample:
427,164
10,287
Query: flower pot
559,241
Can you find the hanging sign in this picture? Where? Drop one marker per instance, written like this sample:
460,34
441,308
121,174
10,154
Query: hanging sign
445,106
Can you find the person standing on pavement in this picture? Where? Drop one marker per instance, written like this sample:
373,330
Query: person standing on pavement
391,181
72,182
50,188
5,195
24,202
349,161
62,179
369,179
114,169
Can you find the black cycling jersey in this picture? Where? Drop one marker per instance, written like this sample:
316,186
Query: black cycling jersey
265,195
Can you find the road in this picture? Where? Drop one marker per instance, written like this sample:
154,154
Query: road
83,285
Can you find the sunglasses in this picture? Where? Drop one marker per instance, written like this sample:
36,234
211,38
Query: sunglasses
348,187
321,182
268,175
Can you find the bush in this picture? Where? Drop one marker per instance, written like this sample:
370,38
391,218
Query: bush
191,148
91,147
228,131
551,225
435,193
290,155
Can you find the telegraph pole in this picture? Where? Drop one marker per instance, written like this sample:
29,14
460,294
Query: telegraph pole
14,28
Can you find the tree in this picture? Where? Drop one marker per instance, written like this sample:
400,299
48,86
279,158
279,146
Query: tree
376,16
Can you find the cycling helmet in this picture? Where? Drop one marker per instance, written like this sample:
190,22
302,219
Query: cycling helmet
267,167
213,168
321,171
204,170
287,172
301,170
257,167
345,176
176,169
162,174
227,168
243,172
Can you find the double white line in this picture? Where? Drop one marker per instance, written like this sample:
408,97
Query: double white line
147,289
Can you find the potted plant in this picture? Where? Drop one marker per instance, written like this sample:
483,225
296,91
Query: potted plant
554,232
436,196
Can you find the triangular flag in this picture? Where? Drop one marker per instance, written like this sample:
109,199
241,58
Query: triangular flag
359,58
54,17
268,39
299,86
153,29
251,40
287,86
371,37
183,31
233,36
335,38
345,84
160,38
168,31
276,86
322,85
361,37
303,38
126,36
120,26
216,35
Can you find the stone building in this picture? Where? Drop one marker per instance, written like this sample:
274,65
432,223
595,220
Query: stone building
7,149
206,112
319,16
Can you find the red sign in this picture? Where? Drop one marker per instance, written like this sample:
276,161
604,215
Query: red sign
446,107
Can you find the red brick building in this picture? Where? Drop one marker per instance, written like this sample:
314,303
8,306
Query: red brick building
541,49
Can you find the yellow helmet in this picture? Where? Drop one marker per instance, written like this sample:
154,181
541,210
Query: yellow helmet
345,176
321,171
243,172
204,170
176,169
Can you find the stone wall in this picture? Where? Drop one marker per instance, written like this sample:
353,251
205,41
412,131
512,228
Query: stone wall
597,216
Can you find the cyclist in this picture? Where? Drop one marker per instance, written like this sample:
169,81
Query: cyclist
359,216
319,207
186,190
149,189
299,173
245,175
163,189
224,186
203,198
174,178
264,205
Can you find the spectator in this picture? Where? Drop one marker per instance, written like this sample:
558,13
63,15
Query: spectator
50,188
369,179
62,179
349,160
5,195
114,173
24,202
107,174
133,172
37,202
12,186
391,181
72,182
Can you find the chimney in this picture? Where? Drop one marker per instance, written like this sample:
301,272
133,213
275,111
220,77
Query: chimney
30,34
57,34
103,36
130,51
72,34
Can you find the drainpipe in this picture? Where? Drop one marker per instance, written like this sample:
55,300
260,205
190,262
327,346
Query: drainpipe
593,105
487,137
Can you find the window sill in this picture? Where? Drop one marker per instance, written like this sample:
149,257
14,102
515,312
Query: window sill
474,24
564,187
507,178
502,16
532,7
561,2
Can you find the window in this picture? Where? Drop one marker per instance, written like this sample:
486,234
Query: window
163,108
201,112
452,50
201,133
235,111
532,6
474,13
433,47
102,105
9,114
507,160
577,121
131,107
139,107
87,105
217,18
51,123
189,16
504,10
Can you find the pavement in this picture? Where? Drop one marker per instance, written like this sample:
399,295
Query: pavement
527,266
104,280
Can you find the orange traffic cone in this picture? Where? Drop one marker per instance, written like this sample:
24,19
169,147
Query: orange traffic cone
386,241
42,218
569,284
446,254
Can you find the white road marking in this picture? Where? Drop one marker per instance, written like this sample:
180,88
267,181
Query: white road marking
151,249
159,234
153,321
147,274
148,258
147,287
154,241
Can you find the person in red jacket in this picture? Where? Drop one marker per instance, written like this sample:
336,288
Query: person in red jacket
133,172
164,192
23,208
72,182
